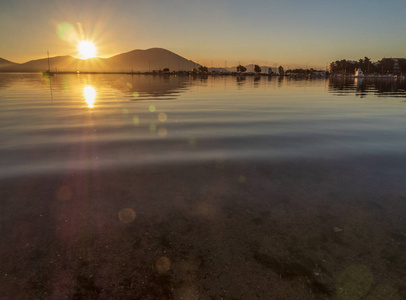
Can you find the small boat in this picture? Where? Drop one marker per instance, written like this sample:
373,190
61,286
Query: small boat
359,73
48,72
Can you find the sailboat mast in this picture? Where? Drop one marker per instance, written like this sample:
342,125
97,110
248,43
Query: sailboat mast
49,68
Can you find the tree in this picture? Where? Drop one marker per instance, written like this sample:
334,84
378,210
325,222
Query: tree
203,69
367,64
362,64
166,70
386,65
281,71
257,69
402,65
241,69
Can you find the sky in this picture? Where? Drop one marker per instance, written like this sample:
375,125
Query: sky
291,33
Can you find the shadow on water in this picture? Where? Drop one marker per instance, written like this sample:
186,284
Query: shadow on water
141,87
240,80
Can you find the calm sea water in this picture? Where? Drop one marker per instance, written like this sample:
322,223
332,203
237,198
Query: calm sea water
144,120
148,187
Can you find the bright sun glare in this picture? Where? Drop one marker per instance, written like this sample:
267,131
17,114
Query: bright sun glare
90,95
86,49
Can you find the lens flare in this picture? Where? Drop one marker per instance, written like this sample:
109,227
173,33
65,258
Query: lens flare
90,95
67,32
163,265
162,132
136,121
162,117
127,215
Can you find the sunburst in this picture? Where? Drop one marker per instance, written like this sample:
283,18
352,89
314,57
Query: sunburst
86,49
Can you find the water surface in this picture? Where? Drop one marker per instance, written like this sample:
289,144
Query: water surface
153,187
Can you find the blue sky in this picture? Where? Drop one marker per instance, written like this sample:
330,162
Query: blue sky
291,33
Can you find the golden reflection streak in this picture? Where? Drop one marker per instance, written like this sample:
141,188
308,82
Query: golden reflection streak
90,95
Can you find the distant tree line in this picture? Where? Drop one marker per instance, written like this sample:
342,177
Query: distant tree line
305,72
383,66
301,71
241,69
203,69
257,69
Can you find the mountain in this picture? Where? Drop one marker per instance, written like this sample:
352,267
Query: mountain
136,60
149,60
6,63
39,65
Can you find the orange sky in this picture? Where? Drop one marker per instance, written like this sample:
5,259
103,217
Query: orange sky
290,33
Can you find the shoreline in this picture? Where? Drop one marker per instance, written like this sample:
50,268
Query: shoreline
194,74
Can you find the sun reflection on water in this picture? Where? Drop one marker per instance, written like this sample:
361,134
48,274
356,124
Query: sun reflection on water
90,95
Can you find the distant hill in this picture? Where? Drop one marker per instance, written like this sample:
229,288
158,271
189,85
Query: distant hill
39,65
149,60
136,60
6,63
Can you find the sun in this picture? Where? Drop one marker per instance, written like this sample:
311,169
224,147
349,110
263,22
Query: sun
86,49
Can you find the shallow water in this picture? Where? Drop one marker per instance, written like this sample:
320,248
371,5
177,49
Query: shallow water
144,187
